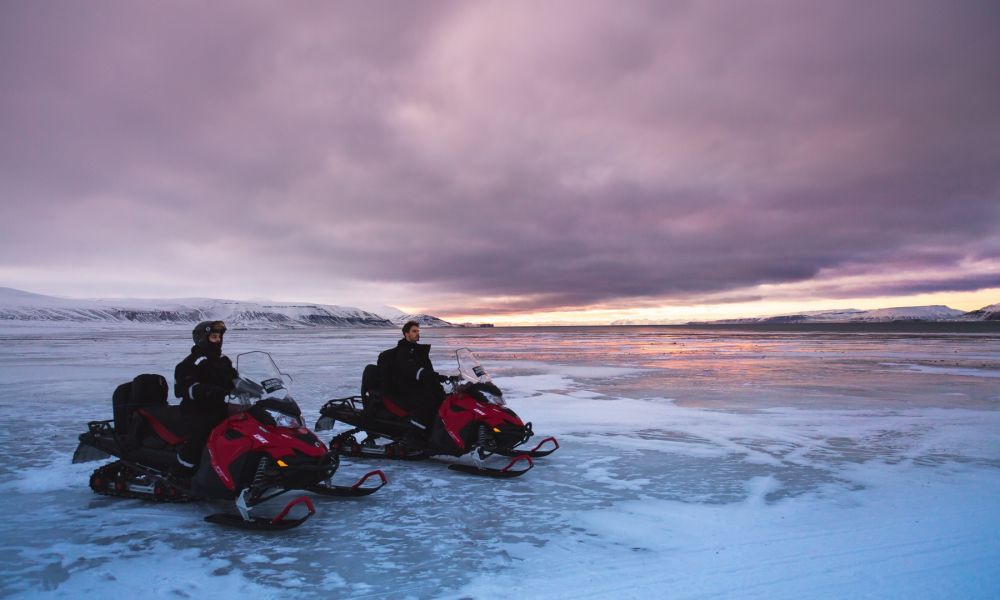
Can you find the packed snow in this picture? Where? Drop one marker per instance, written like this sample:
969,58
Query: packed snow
693,464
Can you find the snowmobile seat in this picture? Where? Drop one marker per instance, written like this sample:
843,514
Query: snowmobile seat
394,408
141,402
375,403
149,393
166,422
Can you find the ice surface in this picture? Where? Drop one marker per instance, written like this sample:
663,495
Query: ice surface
694,464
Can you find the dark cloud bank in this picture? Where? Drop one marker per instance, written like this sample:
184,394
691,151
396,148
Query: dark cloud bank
553,154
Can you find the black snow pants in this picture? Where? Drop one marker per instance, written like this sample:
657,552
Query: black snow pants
422,407
202,419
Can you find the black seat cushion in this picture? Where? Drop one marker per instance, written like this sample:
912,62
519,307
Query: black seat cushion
166,422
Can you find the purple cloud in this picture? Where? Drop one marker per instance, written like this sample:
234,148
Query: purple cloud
560,155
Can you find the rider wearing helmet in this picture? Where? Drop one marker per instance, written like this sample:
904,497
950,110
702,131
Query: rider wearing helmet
202,381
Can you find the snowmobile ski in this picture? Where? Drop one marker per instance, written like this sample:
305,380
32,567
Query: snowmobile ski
533,453
504,473
277,523
351,491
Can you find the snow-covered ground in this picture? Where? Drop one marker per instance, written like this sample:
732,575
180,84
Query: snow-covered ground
694,464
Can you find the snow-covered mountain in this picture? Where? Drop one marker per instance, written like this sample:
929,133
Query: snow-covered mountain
853,315
905,313
647,322
986,313
399,317
422,320
25,306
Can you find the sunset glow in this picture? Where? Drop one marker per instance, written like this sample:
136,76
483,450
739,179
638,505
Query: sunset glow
707,312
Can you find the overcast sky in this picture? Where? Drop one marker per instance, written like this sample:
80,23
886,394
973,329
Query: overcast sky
501,158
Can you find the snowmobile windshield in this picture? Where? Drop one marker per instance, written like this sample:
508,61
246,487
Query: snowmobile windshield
259,368
469,367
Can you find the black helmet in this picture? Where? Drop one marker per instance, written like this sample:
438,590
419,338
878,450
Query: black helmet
203,329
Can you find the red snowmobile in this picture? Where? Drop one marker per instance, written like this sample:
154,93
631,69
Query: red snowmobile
262,450
472,420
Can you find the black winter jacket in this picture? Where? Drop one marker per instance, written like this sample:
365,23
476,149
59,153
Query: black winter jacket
203,379
406,370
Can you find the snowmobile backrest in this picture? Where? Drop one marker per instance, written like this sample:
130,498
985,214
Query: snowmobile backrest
144,390
149,390
119,405
371,380
386,369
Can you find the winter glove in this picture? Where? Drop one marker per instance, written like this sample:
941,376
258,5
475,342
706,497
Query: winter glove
427,376
217,394
210,393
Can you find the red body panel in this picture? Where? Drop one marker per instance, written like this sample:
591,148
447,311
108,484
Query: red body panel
254,436
469,409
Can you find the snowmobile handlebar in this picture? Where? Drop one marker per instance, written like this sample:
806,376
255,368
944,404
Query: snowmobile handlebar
244,387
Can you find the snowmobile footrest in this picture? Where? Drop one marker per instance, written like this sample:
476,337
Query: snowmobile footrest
343,491
504,473
345,445
277,523
534,452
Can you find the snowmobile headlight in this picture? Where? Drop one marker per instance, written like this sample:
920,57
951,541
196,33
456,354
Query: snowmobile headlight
283,420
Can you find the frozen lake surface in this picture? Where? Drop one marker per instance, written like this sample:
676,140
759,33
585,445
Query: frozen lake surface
694,464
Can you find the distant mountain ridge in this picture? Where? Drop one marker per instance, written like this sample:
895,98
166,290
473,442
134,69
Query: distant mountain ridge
936,313
879,315
19,305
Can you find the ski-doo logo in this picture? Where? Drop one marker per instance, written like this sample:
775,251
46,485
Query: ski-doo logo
478,412
260,438
226,479
223,476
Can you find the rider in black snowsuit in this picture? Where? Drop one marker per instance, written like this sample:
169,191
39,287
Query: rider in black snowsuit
410,380
202,381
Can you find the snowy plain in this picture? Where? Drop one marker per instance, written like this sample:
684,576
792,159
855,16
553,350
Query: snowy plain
694,464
